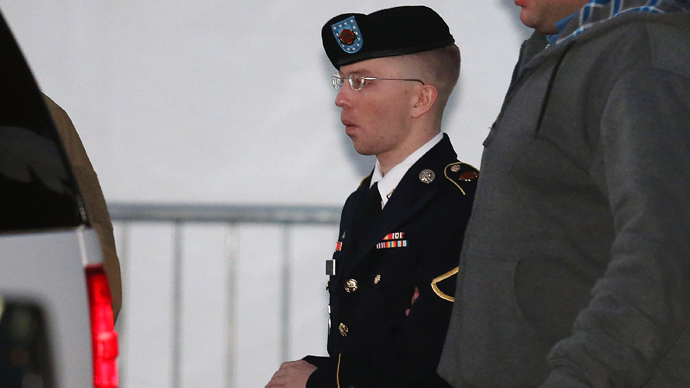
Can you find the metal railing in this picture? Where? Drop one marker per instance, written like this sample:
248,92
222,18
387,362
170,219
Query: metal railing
125,214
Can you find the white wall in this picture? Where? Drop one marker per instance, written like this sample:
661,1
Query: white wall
210,101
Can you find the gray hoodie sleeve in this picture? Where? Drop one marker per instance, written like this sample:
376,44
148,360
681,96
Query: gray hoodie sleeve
640,307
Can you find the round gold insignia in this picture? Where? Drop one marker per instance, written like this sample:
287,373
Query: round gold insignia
427,176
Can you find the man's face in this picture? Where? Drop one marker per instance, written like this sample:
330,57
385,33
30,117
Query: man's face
377,118
542,15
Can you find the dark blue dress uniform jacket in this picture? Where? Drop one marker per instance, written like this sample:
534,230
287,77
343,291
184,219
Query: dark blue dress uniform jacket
414,243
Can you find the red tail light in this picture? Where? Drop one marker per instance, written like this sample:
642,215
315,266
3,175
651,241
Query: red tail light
103,335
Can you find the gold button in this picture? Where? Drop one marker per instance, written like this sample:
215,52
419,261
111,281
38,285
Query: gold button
377,279
343,329
351,286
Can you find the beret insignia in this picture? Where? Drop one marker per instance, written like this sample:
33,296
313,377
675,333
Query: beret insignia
389,32
347,34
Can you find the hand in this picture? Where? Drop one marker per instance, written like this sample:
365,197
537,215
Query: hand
414,299
292,374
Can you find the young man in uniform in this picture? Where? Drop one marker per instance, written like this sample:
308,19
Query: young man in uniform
401,231
575,271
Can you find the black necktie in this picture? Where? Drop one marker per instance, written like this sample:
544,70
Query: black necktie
369,209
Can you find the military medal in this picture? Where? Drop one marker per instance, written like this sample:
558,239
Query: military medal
394,236
392,244
393,240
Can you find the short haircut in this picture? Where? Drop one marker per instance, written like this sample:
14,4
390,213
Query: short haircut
439,67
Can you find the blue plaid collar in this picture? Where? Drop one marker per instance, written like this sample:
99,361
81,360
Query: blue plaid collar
597,11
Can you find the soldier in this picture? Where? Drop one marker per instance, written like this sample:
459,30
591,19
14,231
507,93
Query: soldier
401,231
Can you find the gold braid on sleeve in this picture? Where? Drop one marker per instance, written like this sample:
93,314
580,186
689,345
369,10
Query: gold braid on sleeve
441,278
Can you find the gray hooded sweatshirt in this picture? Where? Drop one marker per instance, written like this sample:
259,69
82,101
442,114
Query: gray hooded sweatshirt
575,270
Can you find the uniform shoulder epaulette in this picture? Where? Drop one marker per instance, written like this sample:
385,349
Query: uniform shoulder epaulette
462,175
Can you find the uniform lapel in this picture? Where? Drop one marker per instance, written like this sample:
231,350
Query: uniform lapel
409,198
349,248
405,204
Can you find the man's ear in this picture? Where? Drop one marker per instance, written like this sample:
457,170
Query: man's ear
426,98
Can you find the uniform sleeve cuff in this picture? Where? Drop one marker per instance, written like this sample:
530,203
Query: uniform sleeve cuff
325,374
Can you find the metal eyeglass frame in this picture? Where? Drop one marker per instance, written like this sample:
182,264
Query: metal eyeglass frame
357,81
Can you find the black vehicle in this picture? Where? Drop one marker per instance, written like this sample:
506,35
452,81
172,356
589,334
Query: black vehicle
56,319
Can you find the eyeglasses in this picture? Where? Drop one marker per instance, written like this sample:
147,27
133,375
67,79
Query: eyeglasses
357,82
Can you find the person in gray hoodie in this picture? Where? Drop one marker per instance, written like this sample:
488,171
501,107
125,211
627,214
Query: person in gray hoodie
575,268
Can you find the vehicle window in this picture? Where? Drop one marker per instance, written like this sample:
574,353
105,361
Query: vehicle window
24,350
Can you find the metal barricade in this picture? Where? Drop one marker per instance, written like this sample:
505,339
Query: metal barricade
124,215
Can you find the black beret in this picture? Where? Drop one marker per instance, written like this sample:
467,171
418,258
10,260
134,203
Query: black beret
355,37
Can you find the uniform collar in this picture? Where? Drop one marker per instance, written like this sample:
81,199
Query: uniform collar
390,181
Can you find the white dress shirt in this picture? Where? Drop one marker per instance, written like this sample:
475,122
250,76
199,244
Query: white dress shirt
390,181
